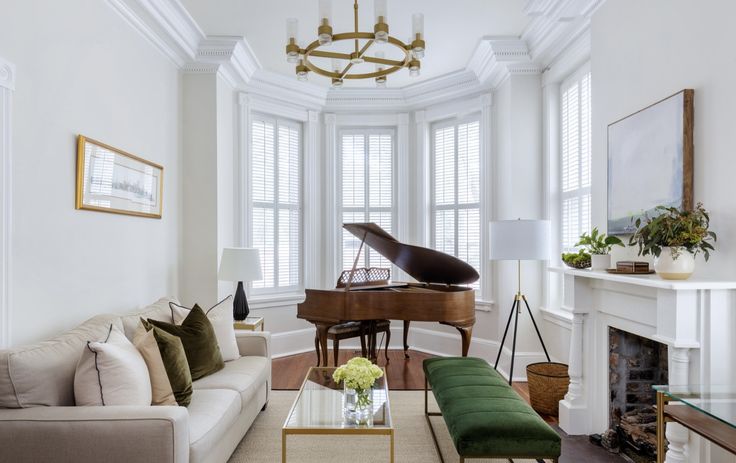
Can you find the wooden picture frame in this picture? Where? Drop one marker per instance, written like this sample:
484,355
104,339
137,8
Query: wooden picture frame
650,161
111,180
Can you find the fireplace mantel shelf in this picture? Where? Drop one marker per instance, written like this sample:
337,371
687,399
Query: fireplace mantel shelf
652,281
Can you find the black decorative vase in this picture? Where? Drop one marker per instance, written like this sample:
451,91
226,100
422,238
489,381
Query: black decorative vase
240,304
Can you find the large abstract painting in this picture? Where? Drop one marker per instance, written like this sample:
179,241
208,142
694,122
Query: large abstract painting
111,180
650,161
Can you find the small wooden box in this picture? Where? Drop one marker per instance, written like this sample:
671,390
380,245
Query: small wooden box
632,266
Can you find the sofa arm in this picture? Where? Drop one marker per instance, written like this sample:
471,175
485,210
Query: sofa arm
254,343
84,434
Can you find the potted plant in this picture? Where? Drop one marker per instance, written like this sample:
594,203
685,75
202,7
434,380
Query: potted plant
674,238
579,260
358,377
599,246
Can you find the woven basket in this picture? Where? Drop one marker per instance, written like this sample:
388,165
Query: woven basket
548,382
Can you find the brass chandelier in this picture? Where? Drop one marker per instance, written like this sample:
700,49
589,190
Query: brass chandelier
344,63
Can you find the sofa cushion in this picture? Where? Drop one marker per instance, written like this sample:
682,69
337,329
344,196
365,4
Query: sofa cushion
211,414
42,374
221,317
162,393
159,310
200,344
111,371
243,375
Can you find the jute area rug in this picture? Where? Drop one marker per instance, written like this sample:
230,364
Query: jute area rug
413,441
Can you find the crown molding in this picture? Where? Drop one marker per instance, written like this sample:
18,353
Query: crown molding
7,74
274,85
166,24
555,25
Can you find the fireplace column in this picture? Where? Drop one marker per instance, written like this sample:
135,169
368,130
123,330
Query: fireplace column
573,408
677,435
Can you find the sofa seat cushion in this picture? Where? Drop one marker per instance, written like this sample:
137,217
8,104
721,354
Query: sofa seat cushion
243,376
484,415
211,413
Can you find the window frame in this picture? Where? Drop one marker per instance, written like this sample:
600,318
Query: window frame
366,209
575,78
433,207
275,205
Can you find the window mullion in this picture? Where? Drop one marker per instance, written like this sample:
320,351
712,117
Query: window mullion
276,205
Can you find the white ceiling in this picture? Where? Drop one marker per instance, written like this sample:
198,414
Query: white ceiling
453,28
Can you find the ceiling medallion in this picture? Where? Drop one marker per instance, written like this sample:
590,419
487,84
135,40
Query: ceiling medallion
343,63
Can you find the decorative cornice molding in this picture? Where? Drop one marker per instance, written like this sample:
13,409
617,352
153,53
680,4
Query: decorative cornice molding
554,26
7,74
330,119
166,23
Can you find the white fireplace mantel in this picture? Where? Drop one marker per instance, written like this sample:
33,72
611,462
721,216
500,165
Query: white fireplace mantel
695,318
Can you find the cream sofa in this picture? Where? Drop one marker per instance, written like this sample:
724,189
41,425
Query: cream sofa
39,422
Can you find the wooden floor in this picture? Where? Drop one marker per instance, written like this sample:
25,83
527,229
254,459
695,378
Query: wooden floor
402,374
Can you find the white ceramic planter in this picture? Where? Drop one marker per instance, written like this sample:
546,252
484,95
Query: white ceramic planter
600,261
674,268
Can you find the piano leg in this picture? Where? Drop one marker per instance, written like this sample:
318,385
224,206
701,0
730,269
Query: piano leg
466,332
322,335
406,338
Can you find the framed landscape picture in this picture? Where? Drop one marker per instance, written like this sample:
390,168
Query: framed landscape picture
650,161
111,180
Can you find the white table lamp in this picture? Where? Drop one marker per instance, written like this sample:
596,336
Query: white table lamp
240,264
519,240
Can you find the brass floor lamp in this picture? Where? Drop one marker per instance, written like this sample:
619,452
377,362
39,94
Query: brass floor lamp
519,240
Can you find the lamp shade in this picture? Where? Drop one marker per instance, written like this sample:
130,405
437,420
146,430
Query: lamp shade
519,240
240,264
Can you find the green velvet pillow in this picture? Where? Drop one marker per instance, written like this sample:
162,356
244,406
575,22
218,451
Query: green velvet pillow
199,340
175,363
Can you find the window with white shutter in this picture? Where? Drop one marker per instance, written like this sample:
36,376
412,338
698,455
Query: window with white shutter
455,190
575,158
275,181
366,190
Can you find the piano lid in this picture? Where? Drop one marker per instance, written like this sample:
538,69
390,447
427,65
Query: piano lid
423,264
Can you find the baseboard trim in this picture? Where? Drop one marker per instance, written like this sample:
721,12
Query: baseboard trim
424,340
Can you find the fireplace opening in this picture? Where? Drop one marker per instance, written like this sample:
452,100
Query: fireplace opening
635,365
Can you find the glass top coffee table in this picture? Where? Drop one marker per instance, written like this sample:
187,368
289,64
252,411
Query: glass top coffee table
708,411
318,409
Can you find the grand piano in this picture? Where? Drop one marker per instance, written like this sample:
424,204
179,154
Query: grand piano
435,297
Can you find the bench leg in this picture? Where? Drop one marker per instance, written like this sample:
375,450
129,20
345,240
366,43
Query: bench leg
336,349
316,348
388,341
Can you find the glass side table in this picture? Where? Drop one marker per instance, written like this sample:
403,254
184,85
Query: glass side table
709,411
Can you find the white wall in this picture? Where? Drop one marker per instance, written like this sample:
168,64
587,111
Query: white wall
82,69
645,51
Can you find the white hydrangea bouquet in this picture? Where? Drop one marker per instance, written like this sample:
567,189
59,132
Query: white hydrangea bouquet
359,375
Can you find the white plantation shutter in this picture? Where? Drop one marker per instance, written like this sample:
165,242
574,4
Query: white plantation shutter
276,194
455,190
576,158
366,189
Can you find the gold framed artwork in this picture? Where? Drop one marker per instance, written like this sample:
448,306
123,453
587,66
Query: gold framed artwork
111,180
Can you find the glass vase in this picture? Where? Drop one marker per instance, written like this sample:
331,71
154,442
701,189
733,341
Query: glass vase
358,406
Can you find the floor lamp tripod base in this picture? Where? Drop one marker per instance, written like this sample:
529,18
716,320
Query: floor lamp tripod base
515,311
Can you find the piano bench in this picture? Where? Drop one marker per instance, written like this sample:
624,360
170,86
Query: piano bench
486,418
348,330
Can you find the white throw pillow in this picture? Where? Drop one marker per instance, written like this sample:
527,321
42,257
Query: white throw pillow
112,372
221,317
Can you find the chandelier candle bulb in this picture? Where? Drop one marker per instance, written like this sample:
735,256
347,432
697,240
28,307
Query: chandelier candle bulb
417,42
302,71
414,68
324,30
292,49
380,8
380,80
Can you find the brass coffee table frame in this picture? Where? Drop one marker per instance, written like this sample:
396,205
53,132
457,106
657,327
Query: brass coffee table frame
382,431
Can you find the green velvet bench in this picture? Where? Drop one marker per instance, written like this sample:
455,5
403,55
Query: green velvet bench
486,418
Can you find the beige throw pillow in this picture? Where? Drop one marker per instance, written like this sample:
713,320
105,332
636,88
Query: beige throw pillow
111,372
161,391
221,318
